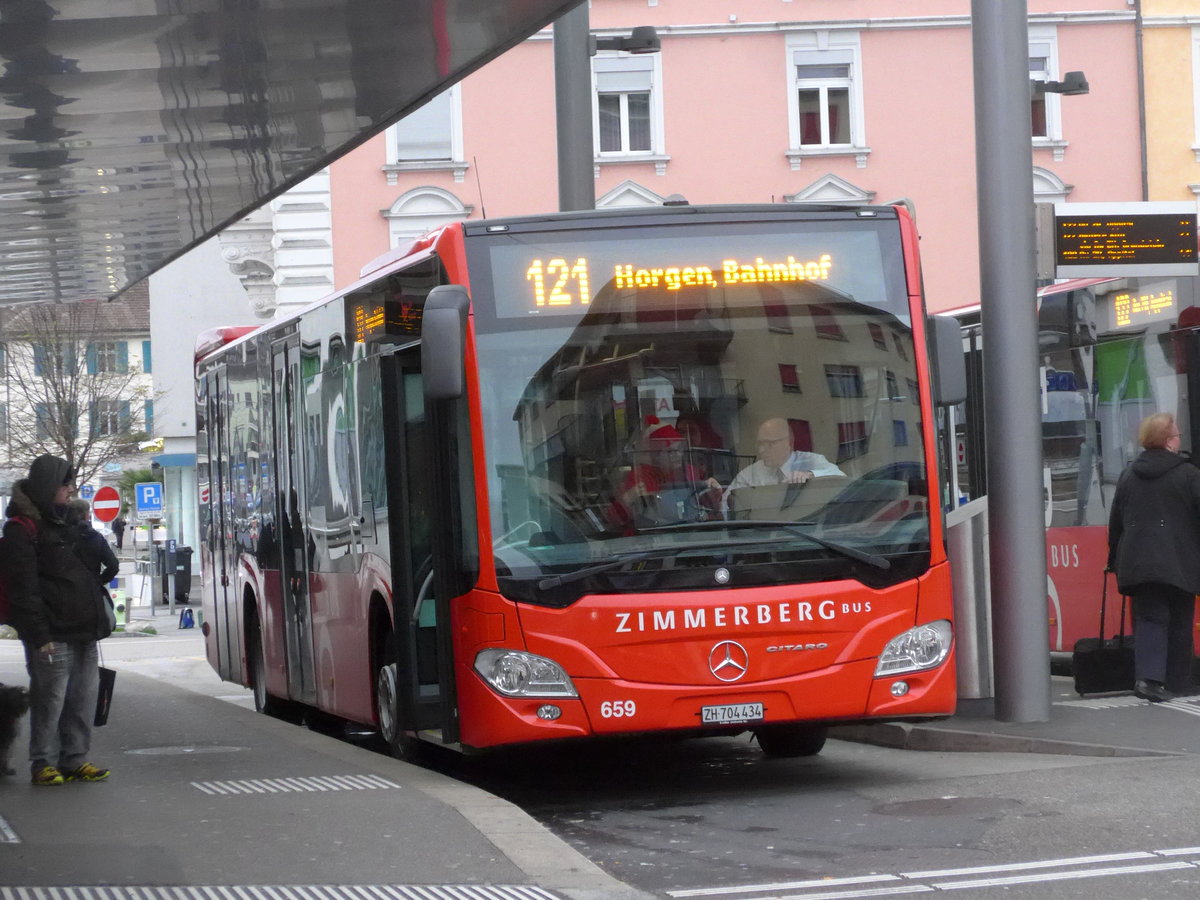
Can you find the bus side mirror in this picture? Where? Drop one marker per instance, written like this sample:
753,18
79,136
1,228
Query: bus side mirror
443,342
949,363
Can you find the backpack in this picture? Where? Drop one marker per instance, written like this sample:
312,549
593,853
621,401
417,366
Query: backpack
31,527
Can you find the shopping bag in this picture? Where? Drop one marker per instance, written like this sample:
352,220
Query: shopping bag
108,678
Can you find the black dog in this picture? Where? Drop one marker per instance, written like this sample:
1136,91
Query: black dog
14,702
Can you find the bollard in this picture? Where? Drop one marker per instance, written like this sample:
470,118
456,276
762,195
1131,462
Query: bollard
121,607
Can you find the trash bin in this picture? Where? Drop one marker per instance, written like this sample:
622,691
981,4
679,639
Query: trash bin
182,572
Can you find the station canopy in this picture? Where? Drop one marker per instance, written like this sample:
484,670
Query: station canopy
132,130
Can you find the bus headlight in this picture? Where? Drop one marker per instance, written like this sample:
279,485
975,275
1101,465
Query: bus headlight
515,673
923,647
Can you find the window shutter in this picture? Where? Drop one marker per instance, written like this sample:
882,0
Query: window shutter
149,415
93,418
122,357
91,359
623,75
146,357
123,423
39,360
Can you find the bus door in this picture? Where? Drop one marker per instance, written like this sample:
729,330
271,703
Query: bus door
291,505
420,617
219,528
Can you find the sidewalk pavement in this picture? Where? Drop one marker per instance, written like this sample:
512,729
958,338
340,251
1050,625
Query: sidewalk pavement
1095,725
206,793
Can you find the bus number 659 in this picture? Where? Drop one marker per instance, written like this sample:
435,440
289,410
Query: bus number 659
618,709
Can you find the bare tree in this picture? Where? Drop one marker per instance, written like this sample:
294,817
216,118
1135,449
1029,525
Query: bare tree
71,391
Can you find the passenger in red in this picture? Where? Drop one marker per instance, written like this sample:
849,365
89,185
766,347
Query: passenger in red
659,466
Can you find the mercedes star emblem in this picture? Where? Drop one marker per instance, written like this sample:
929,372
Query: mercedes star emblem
728,660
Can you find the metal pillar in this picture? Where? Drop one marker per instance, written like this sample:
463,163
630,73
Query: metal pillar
573,110
1004,167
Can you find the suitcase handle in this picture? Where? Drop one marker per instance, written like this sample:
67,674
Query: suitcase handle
1104,601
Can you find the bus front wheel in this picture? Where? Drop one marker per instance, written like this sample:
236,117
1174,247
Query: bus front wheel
783,741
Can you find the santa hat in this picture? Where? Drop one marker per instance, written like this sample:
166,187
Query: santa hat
656,431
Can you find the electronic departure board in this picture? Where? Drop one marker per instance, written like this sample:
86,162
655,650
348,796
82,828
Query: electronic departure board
1114,239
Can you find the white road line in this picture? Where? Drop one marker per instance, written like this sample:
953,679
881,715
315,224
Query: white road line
7,835
1061,876
932,880
1037,864
780,886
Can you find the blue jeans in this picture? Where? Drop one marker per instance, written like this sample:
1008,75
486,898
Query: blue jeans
62,703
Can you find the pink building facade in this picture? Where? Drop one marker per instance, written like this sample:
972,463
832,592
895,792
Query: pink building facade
842,101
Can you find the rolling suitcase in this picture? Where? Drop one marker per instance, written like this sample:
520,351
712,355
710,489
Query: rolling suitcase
1103,665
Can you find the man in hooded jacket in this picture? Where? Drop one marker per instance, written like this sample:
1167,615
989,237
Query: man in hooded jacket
56,609
1154,547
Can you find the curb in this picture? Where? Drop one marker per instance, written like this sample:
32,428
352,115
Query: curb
905,736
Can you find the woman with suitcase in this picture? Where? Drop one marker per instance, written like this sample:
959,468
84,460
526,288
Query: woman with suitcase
1154,548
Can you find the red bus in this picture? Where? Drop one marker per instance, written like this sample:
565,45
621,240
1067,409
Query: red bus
503,489
1113,351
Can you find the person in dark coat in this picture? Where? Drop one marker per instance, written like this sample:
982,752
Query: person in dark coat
118,529
93,548
57,610
1154,548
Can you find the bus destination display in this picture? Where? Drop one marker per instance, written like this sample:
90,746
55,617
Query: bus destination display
1124,243
562,282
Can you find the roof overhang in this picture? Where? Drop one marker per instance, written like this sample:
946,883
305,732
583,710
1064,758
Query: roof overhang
132,130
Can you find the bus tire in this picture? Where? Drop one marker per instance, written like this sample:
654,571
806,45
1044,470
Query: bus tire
784,741
399,744
264,702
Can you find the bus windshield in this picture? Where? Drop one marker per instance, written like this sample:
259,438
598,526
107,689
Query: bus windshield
663,401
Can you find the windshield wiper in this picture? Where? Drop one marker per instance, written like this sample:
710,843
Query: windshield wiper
870,559
559,580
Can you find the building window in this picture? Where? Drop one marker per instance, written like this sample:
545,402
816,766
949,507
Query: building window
56,359
775,308
801,434
1045,110
901,350
852,440
877,335
844,381
429,138
110,417
825,80
48,425
825,323
900,432
913,396
789,378
108,358
893,387
628,106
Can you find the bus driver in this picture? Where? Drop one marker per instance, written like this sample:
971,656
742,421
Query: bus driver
779,463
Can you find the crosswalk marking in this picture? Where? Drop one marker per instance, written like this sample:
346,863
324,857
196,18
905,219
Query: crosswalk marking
282,892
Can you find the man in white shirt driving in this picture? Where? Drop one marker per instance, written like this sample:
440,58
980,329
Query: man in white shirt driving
779,463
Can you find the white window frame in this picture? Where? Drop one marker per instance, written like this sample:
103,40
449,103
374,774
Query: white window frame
108,418
456,164
1043,44
837,45
616,63
1196,92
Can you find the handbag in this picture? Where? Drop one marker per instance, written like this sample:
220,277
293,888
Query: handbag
104,694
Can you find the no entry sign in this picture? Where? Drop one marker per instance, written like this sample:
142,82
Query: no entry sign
106,504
